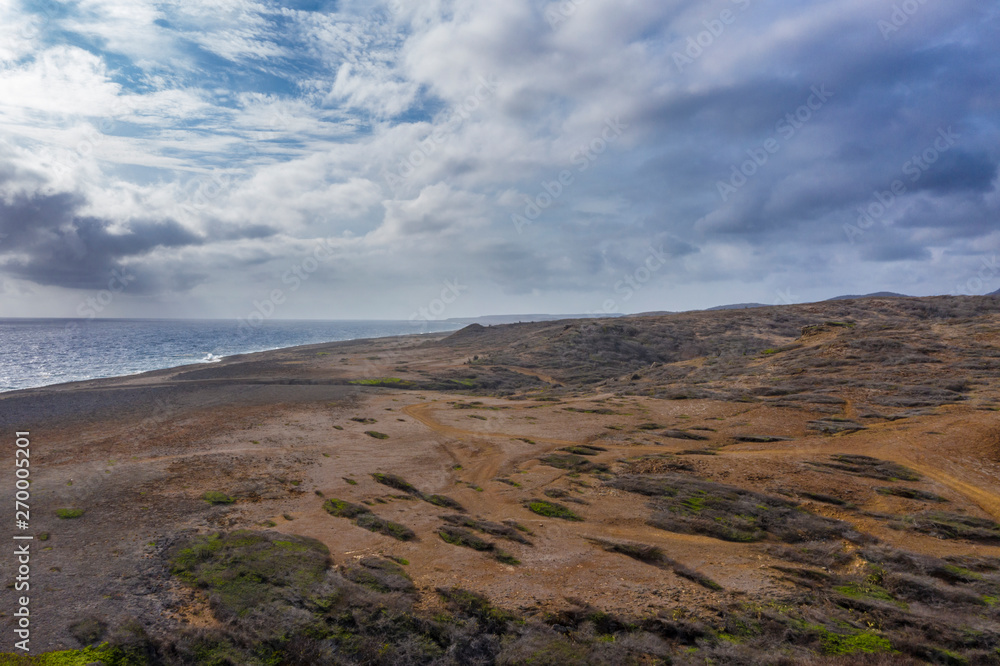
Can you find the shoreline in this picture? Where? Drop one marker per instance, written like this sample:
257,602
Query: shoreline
217,360
518,441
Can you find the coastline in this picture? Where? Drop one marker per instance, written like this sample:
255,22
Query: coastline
423,430
210,358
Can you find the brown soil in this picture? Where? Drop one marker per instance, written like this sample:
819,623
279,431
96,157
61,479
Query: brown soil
273,430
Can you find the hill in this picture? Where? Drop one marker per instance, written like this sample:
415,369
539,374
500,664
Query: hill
802,484
878,294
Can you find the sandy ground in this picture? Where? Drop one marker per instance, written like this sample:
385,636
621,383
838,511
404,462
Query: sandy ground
275,431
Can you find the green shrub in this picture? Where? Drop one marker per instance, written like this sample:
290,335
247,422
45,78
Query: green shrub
69,514
552,510
462,537
343,509
373,523
838,644
245,570
376,434
217,497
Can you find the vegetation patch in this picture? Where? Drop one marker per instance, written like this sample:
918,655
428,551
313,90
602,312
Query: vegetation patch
363,420
246,570
911,493
343,509
380,575
442,501
70,514
112,655
584,450
869,467
761,439
376,434
685,435
860,642
573,463
399,483
825,499
509,532
653,555
363,517
217,497
944,525
390,382
373,523
458,536
551,510
691,506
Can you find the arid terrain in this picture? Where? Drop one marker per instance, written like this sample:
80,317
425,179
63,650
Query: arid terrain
790,485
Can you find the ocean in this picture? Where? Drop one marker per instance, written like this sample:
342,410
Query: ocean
40,352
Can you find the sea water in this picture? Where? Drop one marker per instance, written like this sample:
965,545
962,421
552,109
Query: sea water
39,352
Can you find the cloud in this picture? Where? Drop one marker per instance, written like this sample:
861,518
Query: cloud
207,147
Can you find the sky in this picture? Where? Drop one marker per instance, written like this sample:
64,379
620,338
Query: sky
451,158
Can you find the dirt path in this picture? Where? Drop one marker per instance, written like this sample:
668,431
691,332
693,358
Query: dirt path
984,499
421,412
481,459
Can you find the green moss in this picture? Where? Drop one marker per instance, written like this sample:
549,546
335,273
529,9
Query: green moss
344,509
694,504
69,514
867,642
506,558
216,497
243,570
552,510
869,589
962,573
106,654
376,434
394,382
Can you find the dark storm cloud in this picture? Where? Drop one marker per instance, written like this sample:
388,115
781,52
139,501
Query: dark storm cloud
49,243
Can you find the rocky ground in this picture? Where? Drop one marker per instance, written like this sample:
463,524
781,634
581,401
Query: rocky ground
796,484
